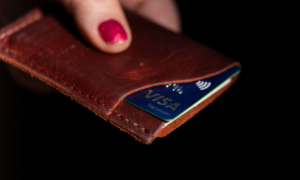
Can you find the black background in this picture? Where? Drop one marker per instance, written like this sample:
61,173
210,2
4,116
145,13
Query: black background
42,136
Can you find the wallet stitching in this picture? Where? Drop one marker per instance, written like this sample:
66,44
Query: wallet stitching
147,131
29,21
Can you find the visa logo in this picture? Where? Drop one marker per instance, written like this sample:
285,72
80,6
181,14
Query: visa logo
161,100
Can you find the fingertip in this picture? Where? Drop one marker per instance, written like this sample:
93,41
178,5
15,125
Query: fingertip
115,36
102,23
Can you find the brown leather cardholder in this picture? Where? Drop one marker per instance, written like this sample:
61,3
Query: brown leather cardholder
47,47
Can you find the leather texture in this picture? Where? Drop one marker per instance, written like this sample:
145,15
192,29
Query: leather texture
41,44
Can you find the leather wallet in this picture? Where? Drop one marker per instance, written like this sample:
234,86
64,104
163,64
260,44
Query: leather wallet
46,45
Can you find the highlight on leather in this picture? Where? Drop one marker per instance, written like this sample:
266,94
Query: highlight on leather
45,47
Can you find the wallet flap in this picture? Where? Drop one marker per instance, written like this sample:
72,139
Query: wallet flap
49,47
102,80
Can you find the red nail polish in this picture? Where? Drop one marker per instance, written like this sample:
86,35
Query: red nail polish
112,32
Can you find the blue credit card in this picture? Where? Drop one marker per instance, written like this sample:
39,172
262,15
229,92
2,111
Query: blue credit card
169,102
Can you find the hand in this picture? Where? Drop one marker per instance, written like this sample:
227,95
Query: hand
104,25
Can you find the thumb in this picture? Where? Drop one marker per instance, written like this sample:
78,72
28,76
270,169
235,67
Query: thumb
102,23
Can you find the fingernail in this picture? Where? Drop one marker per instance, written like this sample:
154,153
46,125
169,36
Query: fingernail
112,32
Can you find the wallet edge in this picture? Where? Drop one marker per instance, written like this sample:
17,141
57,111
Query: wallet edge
177,123
35,15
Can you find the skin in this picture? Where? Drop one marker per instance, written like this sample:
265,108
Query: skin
89,14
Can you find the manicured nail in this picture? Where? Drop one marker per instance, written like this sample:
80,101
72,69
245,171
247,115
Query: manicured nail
112,32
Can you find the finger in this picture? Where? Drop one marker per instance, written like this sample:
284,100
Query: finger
102,23
162,12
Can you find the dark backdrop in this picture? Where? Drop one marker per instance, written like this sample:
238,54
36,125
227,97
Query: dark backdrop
42,136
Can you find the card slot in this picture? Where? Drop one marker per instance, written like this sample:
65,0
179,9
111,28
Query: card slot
100,81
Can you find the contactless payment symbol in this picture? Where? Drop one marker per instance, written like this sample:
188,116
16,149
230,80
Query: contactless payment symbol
202,85
169,102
